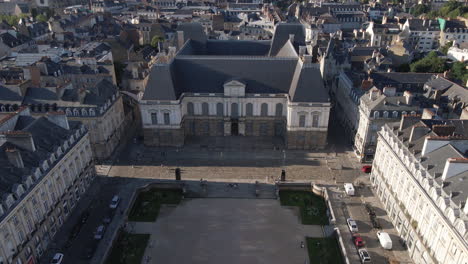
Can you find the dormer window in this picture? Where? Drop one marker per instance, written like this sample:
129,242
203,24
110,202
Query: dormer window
84,112
234,88
45,166
91,112
376,114
76,112
9,201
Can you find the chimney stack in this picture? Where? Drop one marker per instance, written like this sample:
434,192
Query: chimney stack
14,157
374,93
19,138
389,91
291,38
180,39
408,97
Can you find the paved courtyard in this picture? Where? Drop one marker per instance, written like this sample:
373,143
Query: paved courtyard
227,231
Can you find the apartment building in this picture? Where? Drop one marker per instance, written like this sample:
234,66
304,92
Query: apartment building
420,173
45,167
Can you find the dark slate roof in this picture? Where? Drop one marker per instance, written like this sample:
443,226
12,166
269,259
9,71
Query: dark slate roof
10,95
193,31
423,25
100,93
281,36
205,68
46,135
12,41
400,79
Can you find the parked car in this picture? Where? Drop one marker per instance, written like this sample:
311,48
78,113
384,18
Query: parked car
352,225
357,240
57,259
364,255
385,240
349,189
99,232
115,202
366,169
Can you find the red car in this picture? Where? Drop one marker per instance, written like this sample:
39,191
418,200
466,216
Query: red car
357,240
366,169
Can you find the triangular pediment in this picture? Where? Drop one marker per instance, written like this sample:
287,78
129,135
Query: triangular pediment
234,83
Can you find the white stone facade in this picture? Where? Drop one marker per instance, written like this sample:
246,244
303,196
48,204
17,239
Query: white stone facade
433,227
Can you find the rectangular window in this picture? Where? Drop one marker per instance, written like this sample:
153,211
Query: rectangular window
167,120
315,120
302,120
154,118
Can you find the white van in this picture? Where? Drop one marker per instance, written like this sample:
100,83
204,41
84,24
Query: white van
385,240
349,189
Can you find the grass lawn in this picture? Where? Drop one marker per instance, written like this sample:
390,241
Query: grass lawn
312,207
128,249
326,252
147,204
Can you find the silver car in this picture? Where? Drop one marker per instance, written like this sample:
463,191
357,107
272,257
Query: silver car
99,232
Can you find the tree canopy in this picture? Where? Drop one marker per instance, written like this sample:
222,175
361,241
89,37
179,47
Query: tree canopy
444,49
459,72
155,41
430,63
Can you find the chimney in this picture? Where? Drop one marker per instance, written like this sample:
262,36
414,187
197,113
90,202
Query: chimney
443,130
58,118
375,54
409,120
428,114
408,97
34,74
374,93
454,166
14,157
291,38
384,19
81,94
19,138
424,22
464,114
377,58
389,91
367,84
180,39
417,132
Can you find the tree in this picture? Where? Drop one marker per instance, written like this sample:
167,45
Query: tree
444,49
459,72
430,63
156,40
41,18
419,10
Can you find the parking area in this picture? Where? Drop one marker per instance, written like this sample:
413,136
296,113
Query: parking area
354,207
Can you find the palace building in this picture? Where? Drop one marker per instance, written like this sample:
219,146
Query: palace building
237,88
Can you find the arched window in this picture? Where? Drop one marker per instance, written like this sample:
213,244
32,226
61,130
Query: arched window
219,109
76,112
84,112
413,112
404,113
395,114
190,109
91,112
264,109
3,109
205,109
279,109
249,109
234,110
385,114
376,114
